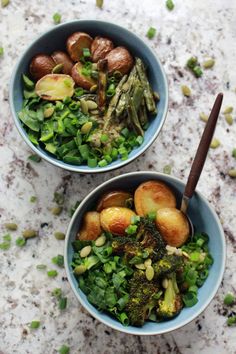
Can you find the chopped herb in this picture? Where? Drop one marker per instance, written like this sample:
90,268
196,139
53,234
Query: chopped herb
170,5
151,32
57,18
59,235
11,226
35,324
33,199
20,241
1,51
57,292
229,299
99,3
35,158
41,266
52,273
58,260
5,3
62,303
64,349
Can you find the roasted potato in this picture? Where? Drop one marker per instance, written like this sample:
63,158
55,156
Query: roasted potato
100,47
151,196
113,199
119,59
91,227
76,43
55,87
116,219
63,58
81,80
173,226
41,65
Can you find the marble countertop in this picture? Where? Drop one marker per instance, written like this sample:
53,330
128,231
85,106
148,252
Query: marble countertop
204,28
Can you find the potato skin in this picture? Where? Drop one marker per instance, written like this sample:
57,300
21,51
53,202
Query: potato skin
119,59
116,219
113,199
75,44
173,226
81,80
91,227
63,58
41,65
151,196
100,47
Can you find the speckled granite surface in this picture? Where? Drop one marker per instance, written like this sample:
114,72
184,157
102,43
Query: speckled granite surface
205,28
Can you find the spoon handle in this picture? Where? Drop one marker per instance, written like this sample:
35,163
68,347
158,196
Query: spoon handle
203,148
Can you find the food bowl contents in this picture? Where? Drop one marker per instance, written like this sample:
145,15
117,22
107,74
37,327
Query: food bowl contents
126,259
89,104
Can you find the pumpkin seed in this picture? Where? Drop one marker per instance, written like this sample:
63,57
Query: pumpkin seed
57,69
203,117
80,269
59,235
165,283
100,241
86,127
186,90
48,112
149,273
56,210
94,112
229,118
232,173
93,88
91,105
140,266
84,106
11,226
185,254
148,262
215,143
208,64
85,251
228,109
170,249
29,233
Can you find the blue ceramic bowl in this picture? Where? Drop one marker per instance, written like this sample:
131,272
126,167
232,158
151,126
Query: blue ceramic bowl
204,219
55,39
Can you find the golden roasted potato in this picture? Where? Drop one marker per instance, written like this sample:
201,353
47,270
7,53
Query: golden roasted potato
55,87
91,227
119,59
113,199
63,58
151,196
173,226
116,219
100,47
41,65
76,43
81,80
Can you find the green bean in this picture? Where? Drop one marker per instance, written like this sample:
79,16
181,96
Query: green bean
151,106
126,88
142,114
133,117
137,95
102,84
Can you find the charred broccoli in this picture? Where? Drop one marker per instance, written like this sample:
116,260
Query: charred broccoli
166,265
126,246
141,298
172,303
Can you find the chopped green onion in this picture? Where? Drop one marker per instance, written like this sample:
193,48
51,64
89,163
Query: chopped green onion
64,349
1,51
6,244
58,260
86,53
52,273
104,138
102,163
229,299
125,132
167,169
41,266
139,140
57,18
190,299
152,215
124,319
35,324
193,289
62,303
231,321
57,292
170,5
135,219
92,162
33,199
20,241
35,158
131,229
151,32
114,153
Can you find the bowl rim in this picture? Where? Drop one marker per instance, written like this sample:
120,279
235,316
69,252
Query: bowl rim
75,168
125,329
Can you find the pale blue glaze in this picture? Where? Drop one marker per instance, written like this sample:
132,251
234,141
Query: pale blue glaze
55,39
204,219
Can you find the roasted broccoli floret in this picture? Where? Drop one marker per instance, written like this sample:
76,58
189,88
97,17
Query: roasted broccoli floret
166,265
172,303
151,239
141,298
126,246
